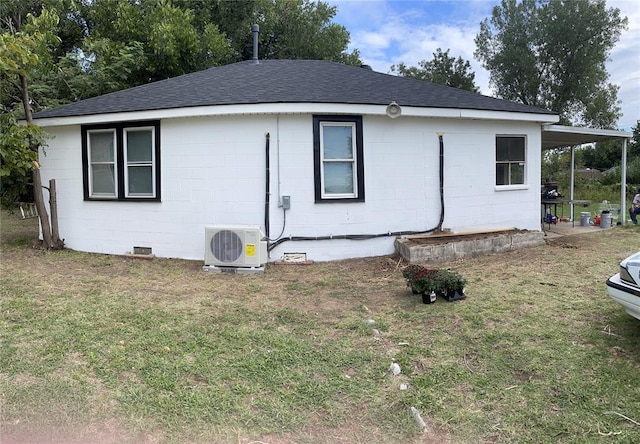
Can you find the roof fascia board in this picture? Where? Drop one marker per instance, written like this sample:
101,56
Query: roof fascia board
506,115
292,108
585,131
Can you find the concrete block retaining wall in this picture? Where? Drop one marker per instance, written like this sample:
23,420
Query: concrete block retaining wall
449,248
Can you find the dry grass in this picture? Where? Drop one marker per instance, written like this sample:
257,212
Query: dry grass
105,349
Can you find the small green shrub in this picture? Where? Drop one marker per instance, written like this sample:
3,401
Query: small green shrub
426,280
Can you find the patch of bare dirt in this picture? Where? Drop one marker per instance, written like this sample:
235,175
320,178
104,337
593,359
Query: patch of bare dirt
355,432
570,242
112,432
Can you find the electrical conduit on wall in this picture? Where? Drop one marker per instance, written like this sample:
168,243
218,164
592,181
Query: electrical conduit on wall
274,243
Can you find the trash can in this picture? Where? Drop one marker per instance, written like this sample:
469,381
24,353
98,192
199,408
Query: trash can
584,218
605,219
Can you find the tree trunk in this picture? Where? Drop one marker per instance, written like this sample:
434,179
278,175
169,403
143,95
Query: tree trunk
57,243
42,210
25,99
48,240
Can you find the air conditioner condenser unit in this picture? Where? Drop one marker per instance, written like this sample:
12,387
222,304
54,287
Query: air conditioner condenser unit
234,246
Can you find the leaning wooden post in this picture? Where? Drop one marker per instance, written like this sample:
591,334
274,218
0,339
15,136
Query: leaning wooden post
53,205
45,226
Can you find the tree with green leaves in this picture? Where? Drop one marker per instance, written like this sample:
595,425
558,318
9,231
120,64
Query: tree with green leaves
163,39
302,29
185,35
552,54
442,69
23,50
601,156
103,46
109,45
634,143
289,29
608,154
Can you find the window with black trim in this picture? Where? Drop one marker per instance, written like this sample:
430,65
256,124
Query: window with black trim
121,161
338,158
510,160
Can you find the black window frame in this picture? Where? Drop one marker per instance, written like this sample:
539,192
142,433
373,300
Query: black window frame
119,128
318,162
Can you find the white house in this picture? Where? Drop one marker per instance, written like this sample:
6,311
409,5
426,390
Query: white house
354,155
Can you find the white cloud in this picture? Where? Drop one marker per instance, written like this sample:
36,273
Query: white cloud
389,32
401,38
374,41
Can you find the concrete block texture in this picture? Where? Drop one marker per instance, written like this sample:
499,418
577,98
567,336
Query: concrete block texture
450,248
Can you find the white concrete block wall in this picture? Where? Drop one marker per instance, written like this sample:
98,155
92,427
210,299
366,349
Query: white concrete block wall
473,202
213,172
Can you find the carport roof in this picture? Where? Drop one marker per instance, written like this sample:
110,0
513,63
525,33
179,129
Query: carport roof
556,136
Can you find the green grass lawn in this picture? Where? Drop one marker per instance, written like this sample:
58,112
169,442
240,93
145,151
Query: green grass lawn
97,348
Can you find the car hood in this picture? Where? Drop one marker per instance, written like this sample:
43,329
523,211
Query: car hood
630,270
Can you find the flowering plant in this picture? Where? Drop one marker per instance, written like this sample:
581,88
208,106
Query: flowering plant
421,280
444,282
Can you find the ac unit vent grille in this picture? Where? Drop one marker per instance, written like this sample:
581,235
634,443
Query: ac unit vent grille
226,246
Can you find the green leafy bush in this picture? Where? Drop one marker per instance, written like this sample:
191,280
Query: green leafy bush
441,281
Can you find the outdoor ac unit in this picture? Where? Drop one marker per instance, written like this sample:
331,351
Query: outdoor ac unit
234,246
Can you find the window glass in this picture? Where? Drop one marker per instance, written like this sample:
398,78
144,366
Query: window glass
337,142
103,179
338,178
502,174
101,147
139,146
140,180
516,151
510,148
502,150
517,173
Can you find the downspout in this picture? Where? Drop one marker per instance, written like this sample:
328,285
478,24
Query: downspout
267,187
278,159
440,139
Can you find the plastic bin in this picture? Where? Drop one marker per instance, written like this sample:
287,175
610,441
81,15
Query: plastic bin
584,218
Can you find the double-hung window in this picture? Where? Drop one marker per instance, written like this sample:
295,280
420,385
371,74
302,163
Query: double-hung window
121,161
338,158
510,160
139,160
103,172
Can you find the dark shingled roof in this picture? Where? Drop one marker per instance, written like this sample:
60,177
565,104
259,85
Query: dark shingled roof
285,81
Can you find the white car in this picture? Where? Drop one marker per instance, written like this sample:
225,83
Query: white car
624,287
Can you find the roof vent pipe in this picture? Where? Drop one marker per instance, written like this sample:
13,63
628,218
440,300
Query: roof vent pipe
255,30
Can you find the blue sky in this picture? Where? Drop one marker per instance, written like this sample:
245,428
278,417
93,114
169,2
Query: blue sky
387,32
